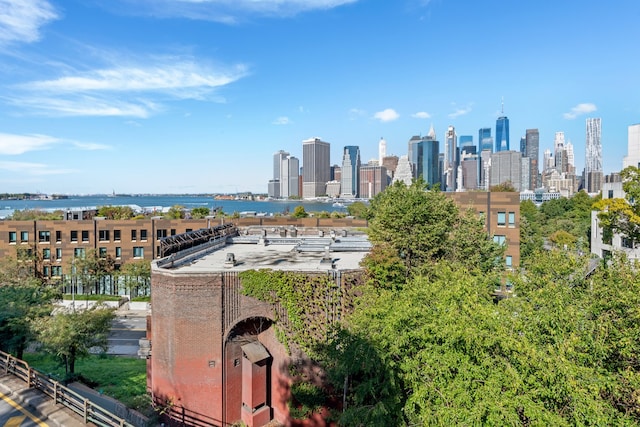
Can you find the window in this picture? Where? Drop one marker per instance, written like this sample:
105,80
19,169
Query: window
134,236
24,236
501,240
116,235
12,236
24,254
102,252
79,253
118,252
58,254
610,194
138,252
103,235
74,236
58,236
45,271
508,261
161,233
173,231
512,219
44,236
143,234
56,271
85,235
189,230
502,220
627,243
46,254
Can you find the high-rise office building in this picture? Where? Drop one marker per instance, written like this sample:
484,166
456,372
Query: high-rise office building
506,166
275,185
593,175
391,164
382,150
350,171
427,160
373,180
316,169
532,151
404,171
502,134
485,142
559,153
633,147
450,159
289,176
465,142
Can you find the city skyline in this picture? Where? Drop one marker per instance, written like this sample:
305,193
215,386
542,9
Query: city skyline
192,97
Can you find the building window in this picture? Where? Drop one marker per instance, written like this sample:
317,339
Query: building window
173,231
45,271
116,235
138,252
134,235
610,194
161,233
103,235
74,236
44,236
143,235
502,219
78,253
56,271
58,236
512,219
499,239
46,254
102,252
85,235
58,254
508,261
627,243
24,236
118,252
189,230
24,254
13,236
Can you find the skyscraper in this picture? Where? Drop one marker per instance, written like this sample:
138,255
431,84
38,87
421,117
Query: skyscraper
558,152
633,148
316,170
350,171
593,175
502,134
427,160
275,184
382,150
532,151
485,142
289,173
450,159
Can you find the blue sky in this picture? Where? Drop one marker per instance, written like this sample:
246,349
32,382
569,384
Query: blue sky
190,96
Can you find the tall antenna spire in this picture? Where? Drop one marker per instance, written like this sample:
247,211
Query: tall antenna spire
502,108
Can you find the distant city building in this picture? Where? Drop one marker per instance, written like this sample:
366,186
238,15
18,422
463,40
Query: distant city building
391,163
412,151
502,133
532,151
469,172
506,167
633,148
571,160
373,180
350,171
316,170
593,175
289,171
465,142
450,159
333,188
560,164
485,142
275,189
549,162
382,150
404,171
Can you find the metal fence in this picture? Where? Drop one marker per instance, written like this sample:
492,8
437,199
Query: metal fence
88,410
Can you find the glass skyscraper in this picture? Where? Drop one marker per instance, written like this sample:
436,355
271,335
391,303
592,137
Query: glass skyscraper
427,165
502,134
485,142
350,172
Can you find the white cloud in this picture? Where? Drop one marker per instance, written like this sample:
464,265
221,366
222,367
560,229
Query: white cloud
579,110
90,146
33,168
460,112
387,115
20,144
282,121
230,11
117,91
21,20
421,115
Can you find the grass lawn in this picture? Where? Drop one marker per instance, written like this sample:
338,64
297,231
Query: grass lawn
122,378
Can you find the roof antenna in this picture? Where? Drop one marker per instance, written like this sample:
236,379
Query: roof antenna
502,108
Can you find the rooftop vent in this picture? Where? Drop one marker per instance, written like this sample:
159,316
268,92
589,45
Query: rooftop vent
231,260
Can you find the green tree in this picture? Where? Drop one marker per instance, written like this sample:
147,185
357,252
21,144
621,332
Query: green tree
200,212
300,212
623,215
92,269
137,275
72,335
506,186
175,212
36,214
358,210
116,212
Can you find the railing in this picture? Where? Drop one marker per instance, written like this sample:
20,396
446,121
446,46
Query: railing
88,410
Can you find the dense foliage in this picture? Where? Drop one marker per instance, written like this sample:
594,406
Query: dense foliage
623,215
36,214
116,212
